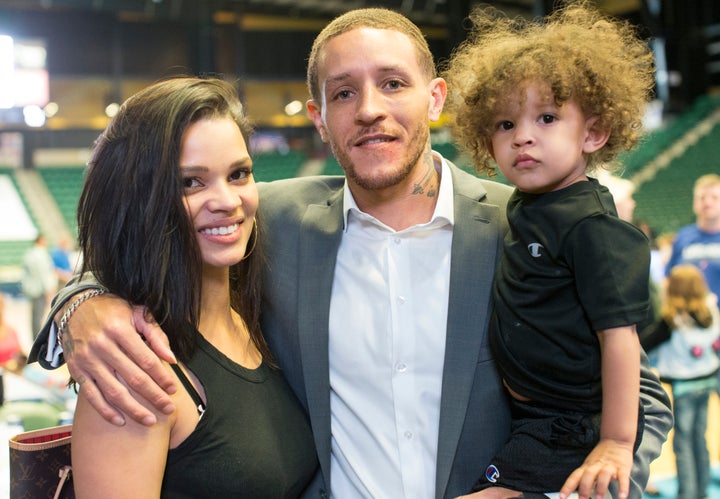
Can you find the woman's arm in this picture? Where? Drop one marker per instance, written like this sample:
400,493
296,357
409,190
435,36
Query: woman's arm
118,462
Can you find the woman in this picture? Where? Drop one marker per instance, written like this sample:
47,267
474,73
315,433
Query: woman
167,219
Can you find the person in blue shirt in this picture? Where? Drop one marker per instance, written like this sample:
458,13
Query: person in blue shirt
699,243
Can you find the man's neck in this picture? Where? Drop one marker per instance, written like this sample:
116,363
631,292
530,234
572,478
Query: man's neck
404,205
709,225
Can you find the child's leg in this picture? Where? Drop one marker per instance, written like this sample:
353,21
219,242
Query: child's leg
545,446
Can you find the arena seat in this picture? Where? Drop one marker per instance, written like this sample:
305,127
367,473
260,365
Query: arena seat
268,166
666,200
65,185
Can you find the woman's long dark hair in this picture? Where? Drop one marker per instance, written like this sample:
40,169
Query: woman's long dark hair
134,231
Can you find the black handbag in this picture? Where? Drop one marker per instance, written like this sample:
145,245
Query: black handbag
40,464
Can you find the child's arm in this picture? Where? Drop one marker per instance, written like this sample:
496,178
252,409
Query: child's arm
612,457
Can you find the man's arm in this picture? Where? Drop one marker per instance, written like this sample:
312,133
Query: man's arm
45,349
104,351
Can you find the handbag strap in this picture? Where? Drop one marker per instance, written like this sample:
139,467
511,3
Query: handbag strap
64,474
190,389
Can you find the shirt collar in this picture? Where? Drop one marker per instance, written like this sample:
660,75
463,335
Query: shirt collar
443,213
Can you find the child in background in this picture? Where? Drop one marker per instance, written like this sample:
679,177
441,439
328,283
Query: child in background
689,362
550,102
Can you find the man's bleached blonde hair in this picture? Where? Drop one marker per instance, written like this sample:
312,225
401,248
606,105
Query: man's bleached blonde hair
576,53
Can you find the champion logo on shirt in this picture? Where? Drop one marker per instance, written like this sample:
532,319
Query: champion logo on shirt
492,473
535,249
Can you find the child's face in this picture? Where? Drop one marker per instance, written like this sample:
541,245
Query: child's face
539,146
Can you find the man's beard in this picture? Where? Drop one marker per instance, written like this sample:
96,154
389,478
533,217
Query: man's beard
388,177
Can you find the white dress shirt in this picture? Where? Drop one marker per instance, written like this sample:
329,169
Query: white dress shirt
388,317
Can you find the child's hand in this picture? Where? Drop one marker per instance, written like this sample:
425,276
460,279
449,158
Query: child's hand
609,460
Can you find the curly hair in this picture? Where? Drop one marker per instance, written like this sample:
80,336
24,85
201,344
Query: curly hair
579,54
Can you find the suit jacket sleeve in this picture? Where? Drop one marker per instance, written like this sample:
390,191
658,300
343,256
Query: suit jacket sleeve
658,421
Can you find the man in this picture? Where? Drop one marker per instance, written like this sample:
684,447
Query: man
699,243
39,281
377,293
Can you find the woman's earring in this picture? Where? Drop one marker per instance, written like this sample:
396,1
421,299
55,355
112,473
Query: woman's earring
254,240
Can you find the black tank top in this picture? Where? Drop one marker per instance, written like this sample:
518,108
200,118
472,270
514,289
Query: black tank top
253,439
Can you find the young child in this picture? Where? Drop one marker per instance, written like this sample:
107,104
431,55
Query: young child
549,102
689,362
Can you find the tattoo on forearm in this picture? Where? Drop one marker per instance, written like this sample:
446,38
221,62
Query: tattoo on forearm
67,345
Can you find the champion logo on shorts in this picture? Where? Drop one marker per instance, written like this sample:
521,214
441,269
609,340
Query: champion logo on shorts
492,473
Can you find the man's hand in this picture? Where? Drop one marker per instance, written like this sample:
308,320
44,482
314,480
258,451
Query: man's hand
110,346
609,460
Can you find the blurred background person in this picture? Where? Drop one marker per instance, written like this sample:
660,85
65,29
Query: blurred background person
699,243
63,259
657,263
665,244
622,191
689,362
11,354
39,281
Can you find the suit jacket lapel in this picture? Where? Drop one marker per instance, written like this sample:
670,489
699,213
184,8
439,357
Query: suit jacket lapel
474,254
319,240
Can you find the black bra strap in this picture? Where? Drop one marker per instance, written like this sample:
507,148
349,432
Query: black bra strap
190,388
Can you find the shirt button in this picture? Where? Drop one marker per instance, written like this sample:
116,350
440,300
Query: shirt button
408,434
397,240
401,300
401,367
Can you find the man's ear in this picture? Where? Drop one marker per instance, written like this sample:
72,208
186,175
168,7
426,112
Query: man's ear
438,92
315,112
595,138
